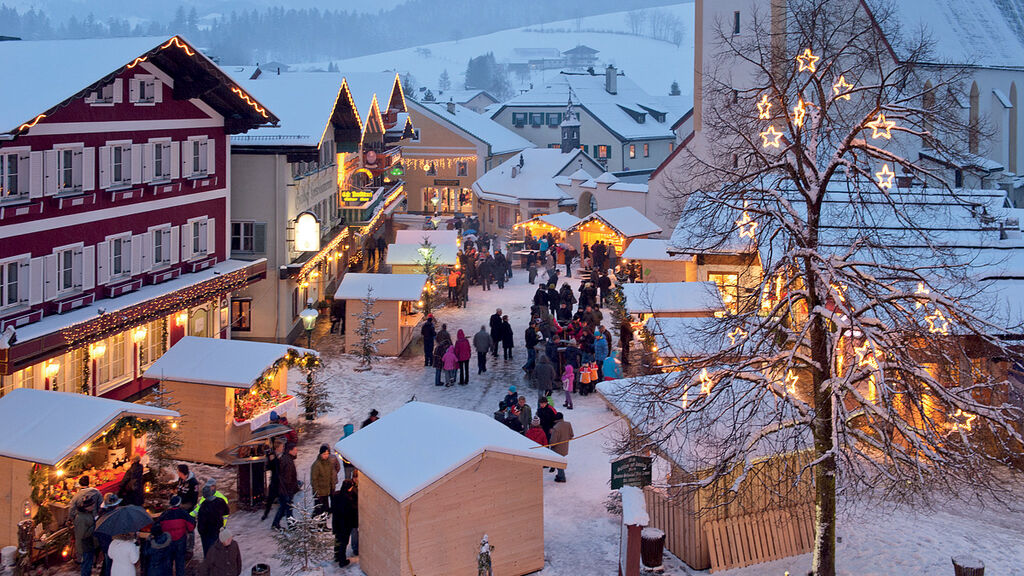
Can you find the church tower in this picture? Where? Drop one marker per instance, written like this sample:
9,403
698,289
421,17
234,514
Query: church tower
570,129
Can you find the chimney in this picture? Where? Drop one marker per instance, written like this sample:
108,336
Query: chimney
611,80
279,73
515,171
451,107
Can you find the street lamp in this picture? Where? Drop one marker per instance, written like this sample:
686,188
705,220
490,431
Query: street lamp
309,316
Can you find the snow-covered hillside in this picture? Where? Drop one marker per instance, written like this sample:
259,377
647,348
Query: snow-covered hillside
653,64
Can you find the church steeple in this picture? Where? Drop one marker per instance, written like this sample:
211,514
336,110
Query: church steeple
570,128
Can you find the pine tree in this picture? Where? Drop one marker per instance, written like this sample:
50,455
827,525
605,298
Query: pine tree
428,96
674,90
367,345
314,395
428,266
163,444
444,82
306,542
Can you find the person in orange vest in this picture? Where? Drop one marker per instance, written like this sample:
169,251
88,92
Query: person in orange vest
453,283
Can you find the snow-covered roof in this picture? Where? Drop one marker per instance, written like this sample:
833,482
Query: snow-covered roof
463,96
627,221
979,32
407,254
651,249
682,297
536,179
580,175
609,109
46,427
413,447
687,337
561,220
218,362
498,138
407,287
304,102
634,506
436,237
365,86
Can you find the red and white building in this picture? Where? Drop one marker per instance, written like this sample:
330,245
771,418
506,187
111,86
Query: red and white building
114,208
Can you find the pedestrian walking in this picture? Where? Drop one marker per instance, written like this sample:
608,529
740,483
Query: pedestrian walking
224,559
568,382
323,477
439,349
496,332
506,338
544,375
561,435
289,484
453,284
531,340
210,518
482,343
451,366
429,332
344,519
601,347
463,352
604,284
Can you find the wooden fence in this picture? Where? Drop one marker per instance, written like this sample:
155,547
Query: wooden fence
677,517
754,538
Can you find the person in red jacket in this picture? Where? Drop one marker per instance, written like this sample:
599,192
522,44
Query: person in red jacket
536,433
178,524
463,353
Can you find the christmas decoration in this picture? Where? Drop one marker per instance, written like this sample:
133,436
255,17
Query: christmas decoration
428,265
737,334
841,87
799,112
885,176
256,400
770,138
314,395
306,542
164,443
747,225
367,344
764,108
807,61
881,128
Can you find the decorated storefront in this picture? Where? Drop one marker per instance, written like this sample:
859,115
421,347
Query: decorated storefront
225,389
557,224
48,440
616,227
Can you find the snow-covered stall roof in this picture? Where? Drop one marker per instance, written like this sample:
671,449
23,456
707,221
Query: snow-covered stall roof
218,362
561,220
304,101
436,237
651,249
627,221
498,138
687,337
408,254
535,179
682,297
413,447
46,427
407,287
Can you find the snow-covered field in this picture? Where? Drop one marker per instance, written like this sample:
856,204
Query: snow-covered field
652,64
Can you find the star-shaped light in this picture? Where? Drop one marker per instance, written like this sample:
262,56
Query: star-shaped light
841,87
840,290
885,176
799,112
737,334
867,355
881,128
790,382
937,323
924,292
770,138
746,225
764,108
807,61
705,382
965,420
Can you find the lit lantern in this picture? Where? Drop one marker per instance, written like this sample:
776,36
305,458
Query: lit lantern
881,128
307,233
60,473
84,449
139,335
97,350
174,425
807,61
26,509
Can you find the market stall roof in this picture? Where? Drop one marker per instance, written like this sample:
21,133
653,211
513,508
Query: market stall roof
46,427
407,287
652,249
561,220
416,459
688,337
218,362
626,221
408,254
684,297
436,237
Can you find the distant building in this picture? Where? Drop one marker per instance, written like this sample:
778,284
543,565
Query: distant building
475,100
525,60
580,57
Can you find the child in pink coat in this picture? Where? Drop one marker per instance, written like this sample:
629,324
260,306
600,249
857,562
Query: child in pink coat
450,363
567,384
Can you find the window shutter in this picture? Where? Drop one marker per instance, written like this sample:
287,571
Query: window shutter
175,160
211,236
148,160
118,90
104,167
259,237
76,267
24,275
136,254
50,172
146,249
186,159
35,289
88,169
158,91
50,277
133,89
186,242
88,268
23,173
136,158
102,263
211,157
35,175
76,168
174,245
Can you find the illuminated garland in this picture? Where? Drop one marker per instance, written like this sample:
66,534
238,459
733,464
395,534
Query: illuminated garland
425,164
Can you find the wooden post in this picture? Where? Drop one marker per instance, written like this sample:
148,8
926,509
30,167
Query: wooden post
968,566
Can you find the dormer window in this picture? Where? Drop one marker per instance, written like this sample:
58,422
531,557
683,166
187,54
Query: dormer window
145,89
108,93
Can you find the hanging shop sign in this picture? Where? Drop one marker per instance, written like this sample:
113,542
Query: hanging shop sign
631,471
307,233
356,196
441,182
371,159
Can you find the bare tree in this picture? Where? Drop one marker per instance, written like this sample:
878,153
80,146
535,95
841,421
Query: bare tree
872,334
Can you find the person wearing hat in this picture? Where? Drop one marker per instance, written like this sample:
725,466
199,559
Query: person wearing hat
224,557
512,398
547,414
536,433
212,483
212,515
289,436
429,332
344,519
157,552
85,542
110,503
178,525
289,483
373,417
323,477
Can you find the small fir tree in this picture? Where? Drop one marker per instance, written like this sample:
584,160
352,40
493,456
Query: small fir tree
165,441
367,345
444,83
674,90
314,395
428,265
428,96
307,542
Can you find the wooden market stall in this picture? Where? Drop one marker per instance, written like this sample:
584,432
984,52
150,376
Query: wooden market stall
557,224
673,299
653,262
48,439
424,508
409,258
396,298
731,521
224,389
615,226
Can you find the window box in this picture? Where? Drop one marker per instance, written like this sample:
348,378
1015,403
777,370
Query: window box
124,288
198,265
19,321
75,301
75,201
163,275
26,208
537,118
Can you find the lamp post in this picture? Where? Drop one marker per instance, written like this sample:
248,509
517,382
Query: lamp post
309,316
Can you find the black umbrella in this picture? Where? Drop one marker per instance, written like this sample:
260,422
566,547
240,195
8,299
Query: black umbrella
124,520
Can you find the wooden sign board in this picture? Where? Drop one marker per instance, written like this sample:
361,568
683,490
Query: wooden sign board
631,471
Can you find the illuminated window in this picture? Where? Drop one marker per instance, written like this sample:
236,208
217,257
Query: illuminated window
729,288
632,150
14,175
241,315
647,150
602,152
